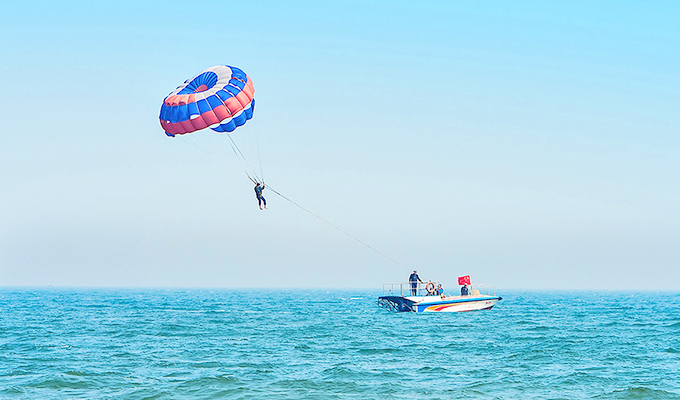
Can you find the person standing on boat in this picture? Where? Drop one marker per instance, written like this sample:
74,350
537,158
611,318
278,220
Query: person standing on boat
440,290
464,290
414,279
259,187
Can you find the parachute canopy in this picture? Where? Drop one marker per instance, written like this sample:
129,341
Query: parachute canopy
221,97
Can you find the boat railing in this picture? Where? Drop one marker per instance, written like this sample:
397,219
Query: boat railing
404,289
480,288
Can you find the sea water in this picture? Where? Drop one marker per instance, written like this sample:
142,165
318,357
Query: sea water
317,344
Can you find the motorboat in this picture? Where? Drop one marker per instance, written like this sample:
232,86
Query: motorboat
403,297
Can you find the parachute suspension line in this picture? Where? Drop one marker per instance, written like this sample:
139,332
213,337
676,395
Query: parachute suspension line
328,223
259,159
245,170
257,147
199,148
195,144
202,144
240,155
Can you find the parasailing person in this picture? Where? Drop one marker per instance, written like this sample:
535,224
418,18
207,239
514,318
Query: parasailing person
259,187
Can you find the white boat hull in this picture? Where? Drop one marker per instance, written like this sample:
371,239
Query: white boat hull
439,304
456,303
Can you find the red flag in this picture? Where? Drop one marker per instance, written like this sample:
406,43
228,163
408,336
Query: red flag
464,280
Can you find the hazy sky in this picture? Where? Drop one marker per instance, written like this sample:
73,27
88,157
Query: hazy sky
530,144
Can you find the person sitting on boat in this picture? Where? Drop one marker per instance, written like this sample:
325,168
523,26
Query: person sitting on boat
414,279
440,290
259,187
464,291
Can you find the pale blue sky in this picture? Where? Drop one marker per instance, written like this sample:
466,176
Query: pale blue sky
529,144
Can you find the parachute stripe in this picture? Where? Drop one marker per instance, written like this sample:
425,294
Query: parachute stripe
229,125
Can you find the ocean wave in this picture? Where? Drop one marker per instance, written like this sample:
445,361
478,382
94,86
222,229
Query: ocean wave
639,393
380,351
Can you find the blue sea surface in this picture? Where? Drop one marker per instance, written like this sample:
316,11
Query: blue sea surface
317,344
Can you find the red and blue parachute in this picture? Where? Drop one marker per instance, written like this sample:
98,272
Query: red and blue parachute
221,97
